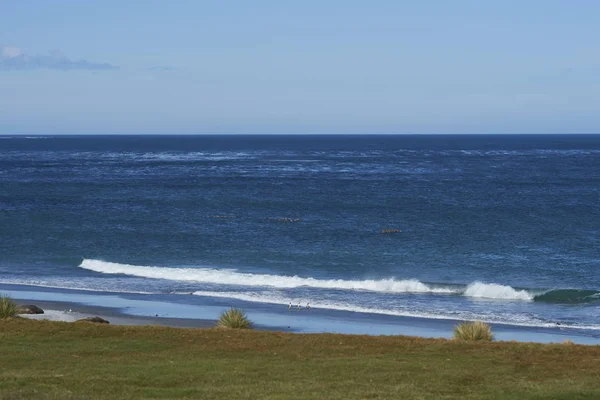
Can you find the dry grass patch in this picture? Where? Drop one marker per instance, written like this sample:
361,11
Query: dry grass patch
234,319
8,308
473,331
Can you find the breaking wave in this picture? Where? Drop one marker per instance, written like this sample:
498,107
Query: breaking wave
495,291
227,277
476,290
556,296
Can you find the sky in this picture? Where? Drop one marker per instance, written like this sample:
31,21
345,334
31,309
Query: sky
277,67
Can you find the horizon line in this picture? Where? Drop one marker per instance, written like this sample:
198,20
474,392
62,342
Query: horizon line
299,134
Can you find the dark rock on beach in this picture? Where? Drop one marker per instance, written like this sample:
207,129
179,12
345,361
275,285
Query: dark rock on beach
29,309
96,320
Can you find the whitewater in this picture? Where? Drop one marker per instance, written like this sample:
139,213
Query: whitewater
227,277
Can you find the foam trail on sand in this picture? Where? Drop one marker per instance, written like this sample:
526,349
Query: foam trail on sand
70,285
275,299
227,277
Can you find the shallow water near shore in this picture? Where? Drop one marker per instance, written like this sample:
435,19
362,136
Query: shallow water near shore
190,311
370,230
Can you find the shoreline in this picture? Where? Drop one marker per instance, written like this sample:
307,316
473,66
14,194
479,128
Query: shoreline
62,311
177,311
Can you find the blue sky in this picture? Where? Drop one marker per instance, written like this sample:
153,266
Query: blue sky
72,66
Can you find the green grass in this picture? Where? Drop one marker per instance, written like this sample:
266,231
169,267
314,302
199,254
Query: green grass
473,331
54,360
8,308
234,319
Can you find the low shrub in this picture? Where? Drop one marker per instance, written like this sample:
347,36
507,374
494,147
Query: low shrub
234,319
473,331
8,308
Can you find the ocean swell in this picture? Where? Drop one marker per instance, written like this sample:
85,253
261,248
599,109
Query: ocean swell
569,296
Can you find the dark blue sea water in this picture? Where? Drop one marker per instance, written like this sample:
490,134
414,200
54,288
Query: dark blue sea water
504,229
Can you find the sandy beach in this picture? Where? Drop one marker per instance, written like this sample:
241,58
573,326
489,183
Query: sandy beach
199,312
71,312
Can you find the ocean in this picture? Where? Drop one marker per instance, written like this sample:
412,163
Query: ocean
499,228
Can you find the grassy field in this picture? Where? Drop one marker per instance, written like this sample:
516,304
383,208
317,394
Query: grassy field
40,360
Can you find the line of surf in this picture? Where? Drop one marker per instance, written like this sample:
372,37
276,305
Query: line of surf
283,301
227,277
73,286
473,290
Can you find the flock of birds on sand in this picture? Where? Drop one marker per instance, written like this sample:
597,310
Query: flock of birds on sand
298,307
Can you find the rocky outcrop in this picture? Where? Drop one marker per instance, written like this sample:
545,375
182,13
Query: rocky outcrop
96,320
29,309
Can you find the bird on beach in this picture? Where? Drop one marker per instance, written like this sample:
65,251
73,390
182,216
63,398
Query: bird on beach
290,306
308,306
299,307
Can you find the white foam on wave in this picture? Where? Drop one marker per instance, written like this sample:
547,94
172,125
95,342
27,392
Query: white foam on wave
495,291
228,277
231,277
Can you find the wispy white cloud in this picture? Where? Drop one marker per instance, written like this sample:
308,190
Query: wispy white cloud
163,68
11,52
13,58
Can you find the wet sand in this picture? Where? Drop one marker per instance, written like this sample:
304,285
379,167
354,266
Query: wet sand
66,311
202,312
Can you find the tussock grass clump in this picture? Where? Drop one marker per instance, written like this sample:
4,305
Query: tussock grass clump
234,319
473,331
8,308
